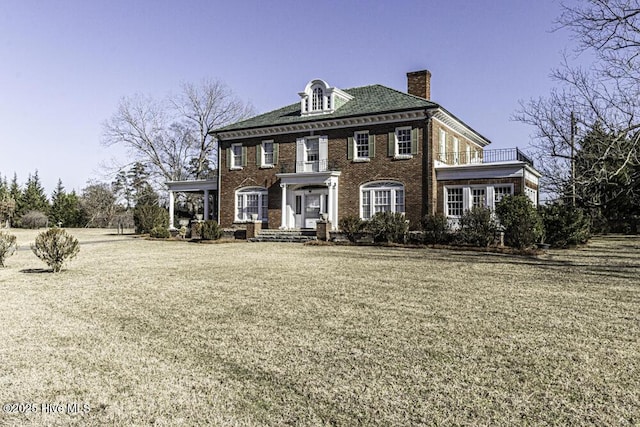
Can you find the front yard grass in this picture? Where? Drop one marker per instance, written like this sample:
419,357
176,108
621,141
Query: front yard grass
164,333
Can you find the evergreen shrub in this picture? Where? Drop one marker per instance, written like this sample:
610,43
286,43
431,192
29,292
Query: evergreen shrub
388,227
148,217
477,227
8,246
351,226
565,225
55,246
210,230
436,229
520,220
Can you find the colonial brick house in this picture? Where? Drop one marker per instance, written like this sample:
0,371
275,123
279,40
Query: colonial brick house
359,151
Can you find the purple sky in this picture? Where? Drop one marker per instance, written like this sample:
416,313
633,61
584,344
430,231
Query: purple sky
64,65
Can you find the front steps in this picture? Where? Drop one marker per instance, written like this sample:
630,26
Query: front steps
291,236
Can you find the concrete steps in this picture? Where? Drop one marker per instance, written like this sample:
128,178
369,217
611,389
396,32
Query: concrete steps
290,236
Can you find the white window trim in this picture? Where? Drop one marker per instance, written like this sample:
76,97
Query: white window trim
357,159
371,187
245,191
233,157
396,147
263,163
467,196
442,145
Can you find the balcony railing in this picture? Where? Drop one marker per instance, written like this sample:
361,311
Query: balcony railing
485,156
306,167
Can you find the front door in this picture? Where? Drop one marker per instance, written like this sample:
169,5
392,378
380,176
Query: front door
311,209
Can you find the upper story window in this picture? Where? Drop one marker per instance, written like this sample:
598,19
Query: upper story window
320,98
267,154
403,139
403,143
236,156
361,140
312,154
443,145
361,146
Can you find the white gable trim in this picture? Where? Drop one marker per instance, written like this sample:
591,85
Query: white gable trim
446,119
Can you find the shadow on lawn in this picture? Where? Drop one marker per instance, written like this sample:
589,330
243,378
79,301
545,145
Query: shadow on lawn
590,262
36,270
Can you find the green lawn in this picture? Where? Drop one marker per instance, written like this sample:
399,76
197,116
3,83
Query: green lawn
172,333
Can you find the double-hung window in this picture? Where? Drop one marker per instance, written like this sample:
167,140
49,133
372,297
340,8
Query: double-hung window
361,143
251,201
455,202
377,197
478,198
312,151
236,156
267,153
499,192
443,146
403,141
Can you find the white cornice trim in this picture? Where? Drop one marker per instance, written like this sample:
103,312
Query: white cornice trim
374,119
456,125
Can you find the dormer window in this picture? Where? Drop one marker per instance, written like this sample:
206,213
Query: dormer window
319,98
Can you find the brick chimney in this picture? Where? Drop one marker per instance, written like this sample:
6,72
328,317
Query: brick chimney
419,83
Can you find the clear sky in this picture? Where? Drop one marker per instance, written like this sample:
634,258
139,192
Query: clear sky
65,64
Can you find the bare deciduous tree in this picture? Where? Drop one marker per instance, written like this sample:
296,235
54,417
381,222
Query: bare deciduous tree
170,137
606,95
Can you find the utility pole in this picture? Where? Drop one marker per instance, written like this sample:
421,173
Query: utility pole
573,161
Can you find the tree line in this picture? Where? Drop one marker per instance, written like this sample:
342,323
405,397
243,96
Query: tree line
99,204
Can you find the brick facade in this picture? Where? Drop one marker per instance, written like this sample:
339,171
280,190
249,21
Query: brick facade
422,193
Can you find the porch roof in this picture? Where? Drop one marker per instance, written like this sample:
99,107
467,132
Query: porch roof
192,185
308,178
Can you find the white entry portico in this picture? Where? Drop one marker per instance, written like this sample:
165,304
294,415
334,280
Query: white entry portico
307,196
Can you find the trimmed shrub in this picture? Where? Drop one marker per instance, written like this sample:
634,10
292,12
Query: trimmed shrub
521,222
436,229
351,225
388,227
8,246
34,219
159,233
148,217
55,246
210,230
565,225
477,227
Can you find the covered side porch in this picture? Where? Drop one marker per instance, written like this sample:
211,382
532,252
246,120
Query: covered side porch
207,187
307,198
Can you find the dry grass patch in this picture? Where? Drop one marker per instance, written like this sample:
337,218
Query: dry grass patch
181,334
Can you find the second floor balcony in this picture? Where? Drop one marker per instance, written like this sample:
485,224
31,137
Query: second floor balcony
324,165
460,158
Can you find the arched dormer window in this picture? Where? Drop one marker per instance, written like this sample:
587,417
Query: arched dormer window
317,100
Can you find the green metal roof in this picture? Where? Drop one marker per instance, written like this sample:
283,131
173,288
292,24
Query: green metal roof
366,100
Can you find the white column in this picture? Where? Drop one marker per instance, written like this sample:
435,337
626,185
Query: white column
283,223
331,202
334,224
171,203
206,205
